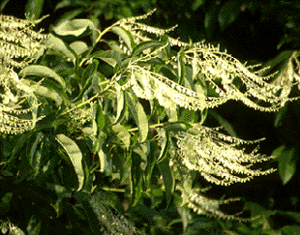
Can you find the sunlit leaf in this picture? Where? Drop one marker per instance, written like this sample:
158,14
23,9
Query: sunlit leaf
79,47
144,46
122,106
125,36
42,71
139,115
164,138
59,47
74,155
75,27
122,134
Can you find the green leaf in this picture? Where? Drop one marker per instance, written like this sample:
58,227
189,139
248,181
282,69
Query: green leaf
168,178
69,15
187,184
181,68
229,13
291,230
34,8
139,115
74,155
104,164
294,215
75,27
58,46
3,4
222,121
136,178
35,154
122,106
100,118
144,46
79,47
88,73
164,138
48,93
211,19
125,36
48,90
42,71
197,4
151,162
111,57
286,161
122,134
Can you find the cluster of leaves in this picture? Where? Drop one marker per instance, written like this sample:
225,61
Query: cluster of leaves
122,133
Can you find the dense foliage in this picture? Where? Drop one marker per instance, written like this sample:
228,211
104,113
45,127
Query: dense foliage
115,127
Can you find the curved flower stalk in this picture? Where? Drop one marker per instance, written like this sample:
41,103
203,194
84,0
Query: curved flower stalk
211,207
230,79
19,43
150,85
19,46
217,157
109,221
15,111
288,74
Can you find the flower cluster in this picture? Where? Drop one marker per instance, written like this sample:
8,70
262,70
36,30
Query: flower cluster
203,205
228,77
19,46
217,157
149,85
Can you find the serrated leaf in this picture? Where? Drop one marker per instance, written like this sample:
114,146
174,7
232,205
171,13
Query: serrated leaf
74,155
42,71
168,178
125,36
75,27
58,45
139,115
